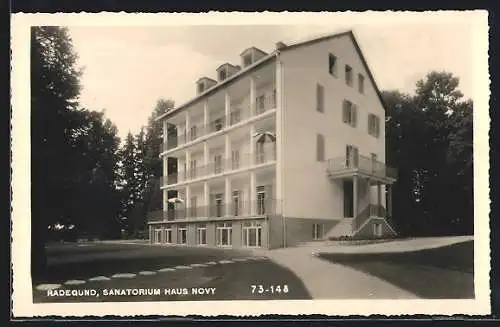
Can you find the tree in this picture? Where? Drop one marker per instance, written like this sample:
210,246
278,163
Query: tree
55,88
429,140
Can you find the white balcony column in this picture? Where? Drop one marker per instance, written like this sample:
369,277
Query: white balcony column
252,145
165,200
165,136
206,155
253,195
379,195
252,96
355,195
187,201
389,199
187,173
227,108
279,139
227,195
188,126
205,118
227,153
206,196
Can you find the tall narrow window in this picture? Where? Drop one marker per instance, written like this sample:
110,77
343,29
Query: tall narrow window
348,75
320,147
261,197
218,205
193,208
361,83
349,113
193,169
222,75
217,164
352,156
236,203
332,67
320,98
193,133
235,159
373,125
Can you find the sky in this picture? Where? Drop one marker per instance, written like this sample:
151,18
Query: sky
127,69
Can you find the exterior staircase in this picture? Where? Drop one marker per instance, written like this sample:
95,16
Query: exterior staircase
343,228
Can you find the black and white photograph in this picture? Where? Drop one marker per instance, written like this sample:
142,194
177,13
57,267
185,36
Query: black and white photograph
250,163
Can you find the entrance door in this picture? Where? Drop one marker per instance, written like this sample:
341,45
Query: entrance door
348,199
261,200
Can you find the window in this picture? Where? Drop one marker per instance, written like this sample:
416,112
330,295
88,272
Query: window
222,75
193,207
247,60
352,156
192,168
320,147
261,200
259,150
217,163
182,234
332,68
320,98
157,235
201,234
252,234
235,116
201,88
235,159
373,125
348,75
261,104
374,161
236,203
168,235
193,133
317,232
218,205
349,113
224,234
361,83
218,124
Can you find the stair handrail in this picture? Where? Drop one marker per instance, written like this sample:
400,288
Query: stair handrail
371,210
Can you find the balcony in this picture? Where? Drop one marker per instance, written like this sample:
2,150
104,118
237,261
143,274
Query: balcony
223,211
220,167
238,114
373,170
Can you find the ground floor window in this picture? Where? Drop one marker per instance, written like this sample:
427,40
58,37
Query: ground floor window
157,235
252,234
182,234
377,229
317,231
168,235
201,234
224,233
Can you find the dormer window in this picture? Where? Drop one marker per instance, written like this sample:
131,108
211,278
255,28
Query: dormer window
222,75
201,87
247,60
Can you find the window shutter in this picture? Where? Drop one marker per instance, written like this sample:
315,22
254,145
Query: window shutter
354,113
345,111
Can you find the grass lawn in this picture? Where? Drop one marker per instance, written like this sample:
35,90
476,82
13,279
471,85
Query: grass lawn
441,273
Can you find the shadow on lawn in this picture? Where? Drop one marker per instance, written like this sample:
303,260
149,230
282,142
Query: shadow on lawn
441,273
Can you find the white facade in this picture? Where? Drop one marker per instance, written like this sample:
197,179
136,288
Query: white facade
270,140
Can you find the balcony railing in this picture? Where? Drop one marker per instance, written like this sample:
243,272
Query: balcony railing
216,168
360,164
242,209
238,113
